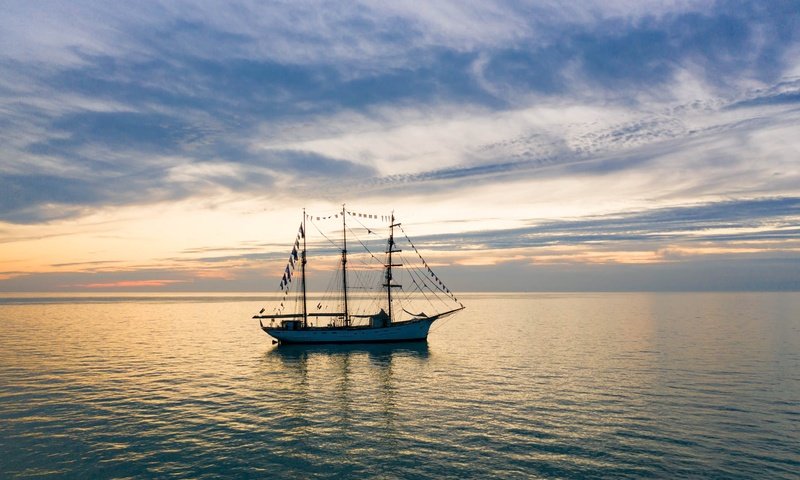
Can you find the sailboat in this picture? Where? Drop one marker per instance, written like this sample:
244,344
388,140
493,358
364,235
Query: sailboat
365,303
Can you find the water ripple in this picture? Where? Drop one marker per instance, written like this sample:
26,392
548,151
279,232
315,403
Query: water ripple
517,386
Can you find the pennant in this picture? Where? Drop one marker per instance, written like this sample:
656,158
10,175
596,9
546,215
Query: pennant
294,253
302,232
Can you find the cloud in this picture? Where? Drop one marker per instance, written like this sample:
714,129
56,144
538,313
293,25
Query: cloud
737,220
127,284
144,133
601,109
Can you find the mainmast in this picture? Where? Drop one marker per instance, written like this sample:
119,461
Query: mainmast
303,273
389,265
344,267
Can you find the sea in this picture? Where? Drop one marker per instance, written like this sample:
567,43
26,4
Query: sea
540,385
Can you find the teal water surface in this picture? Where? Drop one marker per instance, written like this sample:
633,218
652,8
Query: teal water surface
516,386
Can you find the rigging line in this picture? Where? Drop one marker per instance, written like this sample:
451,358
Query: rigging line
421,292
370,230
424,278
426,283
329,294
362,243
412,273
421,276
287,291
326,237
443,286
415,277
441,324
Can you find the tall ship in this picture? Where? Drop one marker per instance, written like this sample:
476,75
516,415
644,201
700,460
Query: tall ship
382,291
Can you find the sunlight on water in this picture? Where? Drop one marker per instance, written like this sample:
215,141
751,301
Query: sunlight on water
549,385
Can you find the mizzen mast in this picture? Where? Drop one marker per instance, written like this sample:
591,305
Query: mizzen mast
303,273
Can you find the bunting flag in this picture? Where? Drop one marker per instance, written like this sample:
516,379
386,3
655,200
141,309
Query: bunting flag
288,273
294,253
302,232
437,281
370,216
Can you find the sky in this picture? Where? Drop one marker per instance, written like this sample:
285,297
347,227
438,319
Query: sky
526,146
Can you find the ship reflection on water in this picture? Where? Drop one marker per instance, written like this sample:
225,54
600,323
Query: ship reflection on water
380,354
349,386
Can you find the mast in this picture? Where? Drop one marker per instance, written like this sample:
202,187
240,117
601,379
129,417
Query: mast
344,267
303,273
389,266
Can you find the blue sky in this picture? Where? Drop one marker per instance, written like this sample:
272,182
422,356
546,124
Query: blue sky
172,145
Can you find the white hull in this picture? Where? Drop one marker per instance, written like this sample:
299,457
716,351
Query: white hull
409,331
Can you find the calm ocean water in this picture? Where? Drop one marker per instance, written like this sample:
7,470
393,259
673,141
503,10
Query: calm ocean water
516,386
